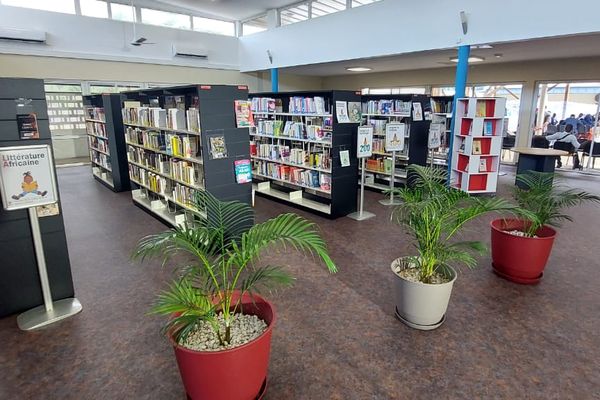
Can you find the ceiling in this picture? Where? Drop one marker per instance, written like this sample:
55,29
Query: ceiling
539,49
225,9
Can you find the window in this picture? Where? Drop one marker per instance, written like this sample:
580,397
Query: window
324,7
65,109
110,88
254,25
442,91
64,6
294,14
121,12
410,90
163,18
210,25
358,3
94,8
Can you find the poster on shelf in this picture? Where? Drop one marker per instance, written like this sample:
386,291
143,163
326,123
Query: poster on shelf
27,126
394,136
364,145
403,108
47,210
435,135
354,112
218,147
27,177
345,158
417,114
341,112
243,114
243,171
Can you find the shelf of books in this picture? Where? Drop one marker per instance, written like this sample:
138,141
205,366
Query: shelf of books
441,107
181,140
104,127
295,147
477,144
379,111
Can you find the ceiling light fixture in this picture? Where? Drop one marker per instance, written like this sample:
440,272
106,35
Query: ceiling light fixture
482,46
358,69
472,59
498,55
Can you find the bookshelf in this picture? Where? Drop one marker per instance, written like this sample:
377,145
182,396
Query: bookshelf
181,140
106,145
295,147
477,144
441,107
380,110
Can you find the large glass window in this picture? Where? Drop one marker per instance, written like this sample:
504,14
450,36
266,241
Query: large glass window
254,25
122,12
216,26
94,8
65,109
294,14
112,88
163,18
358,3
64,6
324,7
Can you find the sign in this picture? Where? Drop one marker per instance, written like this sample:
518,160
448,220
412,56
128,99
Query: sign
27,177
27,126
243,171
341,112
417,114
365,141
394,136
435,135
345,158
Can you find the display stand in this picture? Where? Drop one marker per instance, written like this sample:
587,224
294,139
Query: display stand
36,187
363,151
389,201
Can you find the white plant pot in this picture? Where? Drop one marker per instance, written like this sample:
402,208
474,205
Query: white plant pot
421,305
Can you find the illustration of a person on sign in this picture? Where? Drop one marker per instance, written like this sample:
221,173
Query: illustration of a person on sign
29,186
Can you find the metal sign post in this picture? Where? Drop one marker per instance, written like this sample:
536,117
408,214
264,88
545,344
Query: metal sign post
395,135
363,150
27,181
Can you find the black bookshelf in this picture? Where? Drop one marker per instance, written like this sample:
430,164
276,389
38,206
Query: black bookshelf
20,288
340,199
415,151
106,141
214,105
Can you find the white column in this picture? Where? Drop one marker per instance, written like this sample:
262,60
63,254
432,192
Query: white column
526,114
273,19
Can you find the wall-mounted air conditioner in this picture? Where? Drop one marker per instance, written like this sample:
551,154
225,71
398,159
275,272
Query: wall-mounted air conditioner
22,35
179,51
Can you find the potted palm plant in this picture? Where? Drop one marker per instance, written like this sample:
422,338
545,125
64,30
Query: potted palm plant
434,214
219,325
521,246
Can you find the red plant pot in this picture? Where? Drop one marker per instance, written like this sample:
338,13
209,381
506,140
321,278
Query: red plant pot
520,259
235,374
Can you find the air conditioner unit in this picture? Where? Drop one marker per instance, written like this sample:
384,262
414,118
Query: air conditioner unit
22,35
190,52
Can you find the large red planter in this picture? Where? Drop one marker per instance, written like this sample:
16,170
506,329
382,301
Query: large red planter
516,258
235,374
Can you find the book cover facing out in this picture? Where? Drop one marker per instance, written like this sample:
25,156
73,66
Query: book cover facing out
243,171
27,126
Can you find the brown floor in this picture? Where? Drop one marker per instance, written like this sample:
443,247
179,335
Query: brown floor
336,337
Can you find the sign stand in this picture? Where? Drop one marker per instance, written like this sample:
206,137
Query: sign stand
363,150
27,181
50,311
391,201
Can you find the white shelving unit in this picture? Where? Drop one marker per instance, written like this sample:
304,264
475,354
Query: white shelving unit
477,144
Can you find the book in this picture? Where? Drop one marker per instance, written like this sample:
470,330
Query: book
476,147
488,128
483,165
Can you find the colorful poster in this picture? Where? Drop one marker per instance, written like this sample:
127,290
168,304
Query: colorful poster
243,113
341,112
394,136
354,111
218,148
27,177
27,126
243,171
364,146
435,135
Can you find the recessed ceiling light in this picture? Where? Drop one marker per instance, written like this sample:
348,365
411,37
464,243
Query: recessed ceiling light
359,69
471,59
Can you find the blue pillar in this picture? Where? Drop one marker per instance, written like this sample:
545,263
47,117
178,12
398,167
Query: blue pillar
274,80
460,84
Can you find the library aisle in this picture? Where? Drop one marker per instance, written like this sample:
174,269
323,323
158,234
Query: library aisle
337,337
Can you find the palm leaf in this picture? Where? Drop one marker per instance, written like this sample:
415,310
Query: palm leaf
266,278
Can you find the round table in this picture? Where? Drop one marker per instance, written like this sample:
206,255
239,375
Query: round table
536,159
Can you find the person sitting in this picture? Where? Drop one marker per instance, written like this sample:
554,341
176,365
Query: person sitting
575,122
567,136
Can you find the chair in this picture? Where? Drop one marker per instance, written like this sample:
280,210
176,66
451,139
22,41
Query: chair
539,142
564,146
586,152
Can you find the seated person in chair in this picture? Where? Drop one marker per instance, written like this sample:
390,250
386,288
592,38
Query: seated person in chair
567,136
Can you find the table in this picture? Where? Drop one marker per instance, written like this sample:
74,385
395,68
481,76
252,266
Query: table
536,159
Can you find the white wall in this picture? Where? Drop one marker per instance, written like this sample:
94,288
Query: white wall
400,26
76,36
